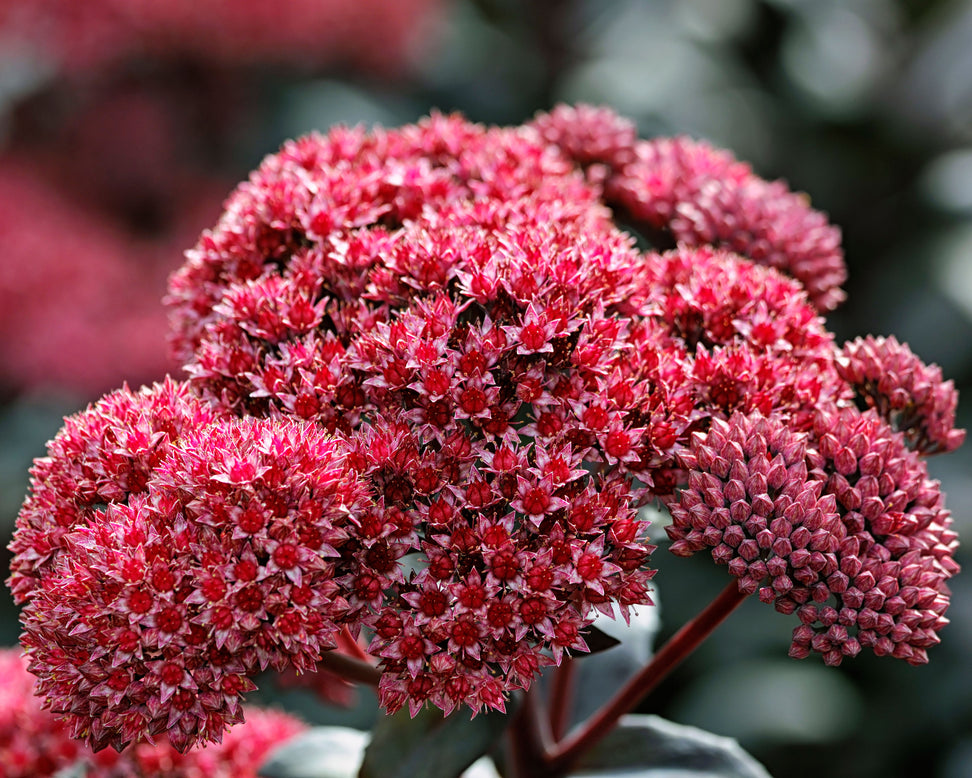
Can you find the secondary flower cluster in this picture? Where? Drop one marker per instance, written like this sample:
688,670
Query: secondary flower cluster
35,744
840,525
430,384
909,395
700,195
172,557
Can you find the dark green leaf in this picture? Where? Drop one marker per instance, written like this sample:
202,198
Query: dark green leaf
652,747
430,745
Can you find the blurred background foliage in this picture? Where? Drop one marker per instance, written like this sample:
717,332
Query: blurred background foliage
109,168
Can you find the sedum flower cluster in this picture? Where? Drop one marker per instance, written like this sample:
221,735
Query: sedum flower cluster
431,382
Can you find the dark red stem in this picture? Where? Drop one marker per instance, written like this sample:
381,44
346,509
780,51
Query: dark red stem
350,668
529,739
561,758
562,697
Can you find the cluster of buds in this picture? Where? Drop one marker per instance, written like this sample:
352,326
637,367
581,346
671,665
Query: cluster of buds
431,383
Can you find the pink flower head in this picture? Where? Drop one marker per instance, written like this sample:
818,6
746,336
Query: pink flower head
842,527
102,456
895,552
701,195
910,395
589,134
453,300
159,610
704,197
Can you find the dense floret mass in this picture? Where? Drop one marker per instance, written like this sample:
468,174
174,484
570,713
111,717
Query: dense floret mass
700,195
896,550
752,501
449,298
431,384
225,565
840,525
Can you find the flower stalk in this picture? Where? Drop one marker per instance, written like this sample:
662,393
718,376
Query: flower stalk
565,754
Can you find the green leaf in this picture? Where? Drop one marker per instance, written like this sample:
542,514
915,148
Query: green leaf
430,745
322,752
652,747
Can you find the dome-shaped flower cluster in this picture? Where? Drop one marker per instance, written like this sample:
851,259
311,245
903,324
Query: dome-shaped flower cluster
224,565
449,298
752,501
898,554
910,395
431,384
35,744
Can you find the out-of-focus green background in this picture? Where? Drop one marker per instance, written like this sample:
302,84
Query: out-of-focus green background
864,104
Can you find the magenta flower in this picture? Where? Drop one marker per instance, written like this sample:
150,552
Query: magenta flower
842,527
162,608
753,502
435,314
909,395
595,137
431,385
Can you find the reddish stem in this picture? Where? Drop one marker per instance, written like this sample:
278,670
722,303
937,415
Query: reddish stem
564,755
561,697
529,739
349,668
